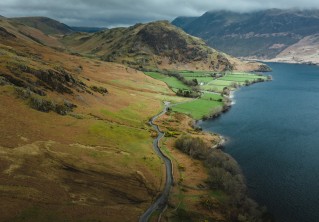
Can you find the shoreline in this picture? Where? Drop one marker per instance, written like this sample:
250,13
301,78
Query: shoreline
215,146
214,152
285,61
230,97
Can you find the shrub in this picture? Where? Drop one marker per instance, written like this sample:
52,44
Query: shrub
193,146
3,81
44,104
99,89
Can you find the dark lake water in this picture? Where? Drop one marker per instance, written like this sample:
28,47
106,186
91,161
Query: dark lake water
273,133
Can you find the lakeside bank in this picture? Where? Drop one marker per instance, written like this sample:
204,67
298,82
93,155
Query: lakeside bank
196,196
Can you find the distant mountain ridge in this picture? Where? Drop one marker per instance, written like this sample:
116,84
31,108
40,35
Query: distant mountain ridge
46,25
52,27
260,34
152,45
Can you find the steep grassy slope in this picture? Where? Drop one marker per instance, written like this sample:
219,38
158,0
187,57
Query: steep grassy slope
263,34
29,34
46,25
74,141
158,45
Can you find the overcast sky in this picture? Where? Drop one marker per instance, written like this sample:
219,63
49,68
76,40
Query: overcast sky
112,13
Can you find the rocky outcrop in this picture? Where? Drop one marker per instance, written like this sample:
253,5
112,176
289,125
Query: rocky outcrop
44,104
5,34
58,79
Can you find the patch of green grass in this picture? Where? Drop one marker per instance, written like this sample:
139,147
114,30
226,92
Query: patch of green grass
211,96
130,115
241,77
204,80
219,82
200,107
110,134
172,82
129,147
208,104
213,88
230,79
235,79
195,73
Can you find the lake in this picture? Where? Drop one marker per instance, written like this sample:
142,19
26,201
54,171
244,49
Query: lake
273,133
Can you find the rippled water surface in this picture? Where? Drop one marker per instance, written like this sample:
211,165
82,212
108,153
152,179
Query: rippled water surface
273,132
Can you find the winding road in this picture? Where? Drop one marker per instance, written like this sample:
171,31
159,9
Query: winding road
161,201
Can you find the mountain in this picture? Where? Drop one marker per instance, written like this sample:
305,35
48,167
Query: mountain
157,45
46,25
29,34
259,34
87,29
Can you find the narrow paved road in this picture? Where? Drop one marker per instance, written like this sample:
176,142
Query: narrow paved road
161,201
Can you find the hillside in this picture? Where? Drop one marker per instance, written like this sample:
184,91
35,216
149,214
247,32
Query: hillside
261,34
304,51
158,45
46,25
29,34
61,157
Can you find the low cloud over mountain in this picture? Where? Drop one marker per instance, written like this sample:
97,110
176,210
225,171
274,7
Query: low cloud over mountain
112,13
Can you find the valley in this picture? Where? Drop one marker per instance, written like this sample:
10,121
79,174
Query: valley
74,134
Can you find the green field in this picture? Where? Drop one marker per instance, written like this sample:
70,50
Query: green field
195,73
209,103
236,78
204,80
172,82
229,79
204,106
213,88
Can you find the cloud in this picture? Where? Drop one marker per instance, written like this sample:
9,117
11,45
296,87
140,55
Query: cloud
110,13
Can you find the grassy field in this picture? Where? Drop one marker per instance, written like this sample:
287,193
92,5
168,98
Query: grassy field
201,79
195,73
240,79
172,82
204,106
208,103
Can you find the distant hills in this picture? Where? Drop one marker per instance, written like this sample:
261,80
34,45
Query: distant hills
153,45
52,27
46,25
261,34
